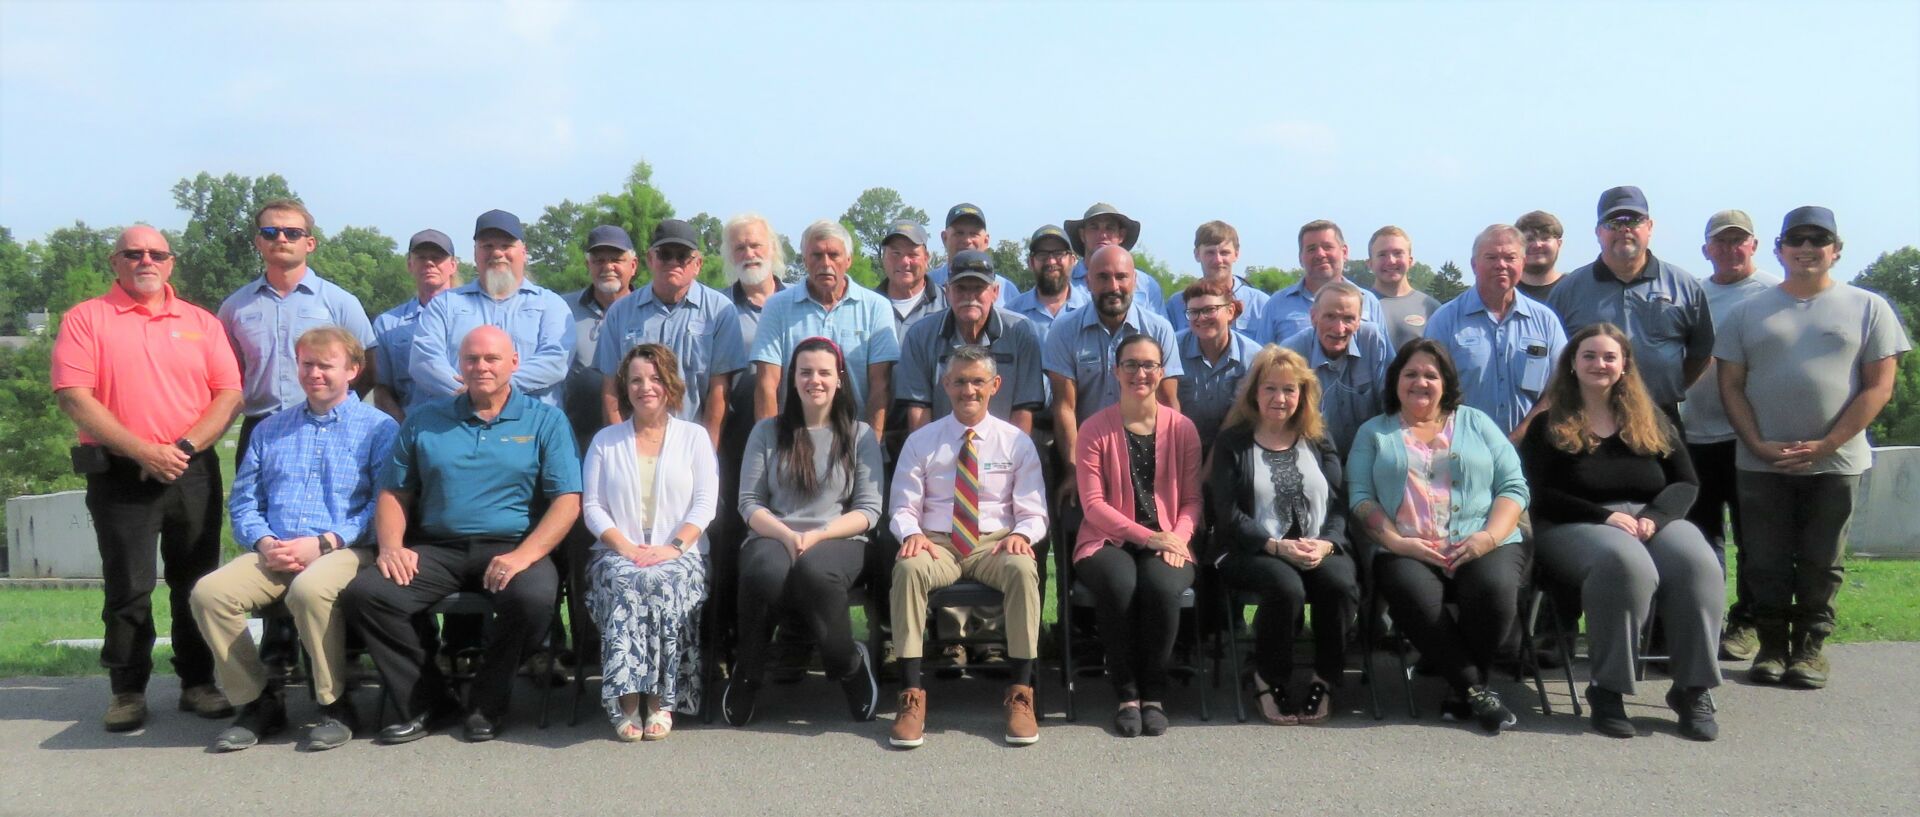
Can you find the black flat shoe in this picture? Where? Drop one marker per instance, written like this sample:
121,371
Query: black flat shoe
479,728
405,731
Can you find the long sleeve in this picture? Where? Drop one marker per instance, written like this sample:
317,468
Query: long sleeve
1226,483
868,465
1360,461
1091,472
1187,456
247,504
358,524
593,501
910,485
1683,486
430,363
1546,468
1029,491
546,365
705,501
756,468
1508,480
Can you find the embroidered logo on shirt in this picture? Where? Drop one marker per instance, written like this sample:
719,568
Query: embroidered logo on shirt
187,335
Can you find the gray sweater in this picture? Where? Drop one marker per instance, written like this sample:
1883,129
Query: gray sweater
762,487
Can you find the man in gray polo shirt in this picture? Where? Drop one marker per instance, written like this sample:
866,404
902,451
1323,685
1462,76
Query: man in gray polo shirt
974,319
1730,247
1803,368
1659,306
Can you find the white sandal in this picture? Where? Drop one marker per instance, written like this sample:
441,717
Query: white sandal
662,719
626,728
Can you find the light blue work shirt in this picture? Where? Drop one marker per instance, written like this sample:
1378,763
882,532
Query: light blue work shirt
1146,288
1663,312
1207,388
1504,367
1081,348
702,330
1353,386
393,331
1291,310
475,477
1008,289
861,323
740,396
536,318
1253,308
1027,305
263,326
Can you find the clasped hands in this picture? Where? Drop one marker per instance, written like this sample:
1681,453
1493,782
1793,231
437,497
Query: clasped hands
1441,553
287,555
1305,554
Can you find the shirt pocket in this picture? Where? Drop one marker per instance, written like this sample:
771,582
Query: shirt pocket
308,317
1663,319
1537,365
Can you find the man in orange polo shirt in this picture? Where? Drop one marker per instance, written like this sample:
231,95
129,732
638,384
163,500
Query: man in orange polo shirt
151,383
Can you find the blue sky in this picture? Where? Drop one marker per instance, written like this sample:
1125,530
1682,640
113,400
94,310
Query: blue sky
1441,118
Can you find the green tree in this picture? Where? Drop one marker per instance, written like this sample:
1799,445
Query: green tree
874,211
1359,274
551,248
1271,279
73,265
1896,275
864,271
366,263
20,291
216,249
637,208
1010,260
1447,284
34,434
1145,264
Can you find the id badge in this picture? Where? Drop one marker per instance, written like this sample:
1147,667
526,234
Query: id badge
1534,378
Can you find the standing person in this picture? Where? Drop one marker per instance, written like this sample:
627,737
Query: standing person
1658,305
1323,260
651,487
1103,225
1503,343
1611,484
1278,496
1437,486
904,280
267,315
302,506
829,306
1540,272
1349,359
611,264
810,493
1730,247
535,318
1050,258
1214,356
973,319
751,262
435,268
150,383
1216,247
1404,309
1804,368
967,230
1138,471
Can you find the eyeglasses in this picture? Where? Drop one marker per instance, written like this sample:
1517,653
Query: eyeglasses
1821,239
1051,255
674,258
1139,366
1203,311
1623,222
136,255
274,233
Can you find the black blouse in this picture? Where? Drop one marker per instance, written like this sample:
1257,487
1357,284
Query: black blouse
1140,456
1570,488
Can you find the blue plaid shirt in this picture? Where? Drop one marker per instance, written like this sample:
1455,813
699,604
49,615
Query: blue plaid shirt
305,474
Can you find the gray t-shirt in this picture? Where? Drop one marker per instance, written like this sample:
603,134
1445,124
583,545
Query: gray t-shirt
1703,413
762,487
1406,316
1803,361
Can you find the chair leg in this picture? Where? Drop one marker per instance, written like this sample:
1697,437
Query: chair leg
1406,676
1566,656
1368,675
1067,673
1528,660
1232,649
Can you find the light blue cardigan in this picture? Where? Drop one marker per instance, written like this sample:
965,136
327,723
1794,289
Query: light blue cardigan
1485,468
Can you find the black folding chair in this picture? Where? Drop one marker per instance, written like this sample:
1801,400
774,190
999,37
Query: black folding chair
1073,593
481,604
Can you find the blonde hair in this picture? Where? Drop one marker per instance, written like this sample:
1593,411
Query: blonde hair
1274,359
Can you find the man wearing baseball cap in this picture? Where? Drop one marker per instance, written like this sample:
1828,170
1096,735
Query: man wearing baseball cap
435,268
1104,225
903,263
1050,258
967,230
535,318
1729,247
1659,306
1803,368
1540,272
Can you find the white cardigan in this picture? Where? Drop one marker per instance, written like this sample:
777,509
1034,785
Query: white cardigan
686,484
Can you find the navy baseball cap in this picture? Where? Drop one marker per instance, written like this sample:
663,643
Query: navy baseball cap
432,238
1625,199
965,210
1048,231
1809,216
674,231
970,264
499,220
607,235
907,228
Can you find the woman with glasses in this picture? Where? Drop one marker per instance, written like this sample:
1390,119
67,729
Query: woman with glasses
1213,357
1138,470
1438,488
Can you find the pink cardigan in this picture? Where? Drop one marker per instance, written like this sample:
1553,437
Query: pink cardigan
1106,488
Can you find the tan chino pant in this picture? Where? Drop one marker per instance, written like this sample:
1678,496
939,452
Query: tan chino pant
1017,577
223,599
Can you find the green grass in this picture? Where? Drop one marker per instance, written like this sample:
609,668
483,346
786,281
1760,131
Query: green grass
1880,602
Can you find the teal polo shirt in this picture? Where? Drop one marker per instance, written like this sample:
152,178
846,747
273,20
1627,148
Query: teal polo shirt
473,477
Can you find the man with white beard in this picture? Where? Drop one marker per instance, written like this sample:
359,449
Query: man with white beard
753,261
536,318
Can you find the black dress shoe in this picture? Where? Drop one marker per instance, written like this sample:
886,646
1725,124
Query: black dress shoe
479,728
406,731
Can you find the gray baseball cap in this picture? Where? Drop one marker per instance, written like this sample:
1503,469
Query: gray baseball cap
431,238
1129,234
907,228
1729,220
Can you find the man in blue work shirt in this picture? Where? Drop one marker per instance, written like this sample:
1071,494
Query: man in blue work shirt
536,318
1323,259
1504,344
1103,225
694,320
1216,247
1050,258
1349,357
855,318
967,230
435,268
486,483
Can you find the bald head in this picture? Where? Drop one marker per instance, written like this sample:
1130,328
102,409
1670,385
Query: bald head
487,363
144,276
147,236
1112,256
1110,281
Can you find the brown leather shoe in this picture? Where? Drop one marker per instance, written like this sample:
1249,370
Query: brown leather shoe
910,726
1022,728
127,712
206,701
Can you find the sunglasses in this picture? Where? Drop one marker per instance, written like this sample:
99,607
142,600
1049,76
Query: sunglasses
136,255
274,233
1623,222
1802,239
674,258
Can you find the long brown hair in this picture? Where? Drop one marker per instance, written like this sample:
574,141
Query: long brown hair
1306,420
793,445
1643,427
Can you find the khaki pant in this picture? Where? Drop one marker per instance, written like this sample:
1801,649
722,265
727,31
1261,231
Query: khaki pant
1018,577
223,599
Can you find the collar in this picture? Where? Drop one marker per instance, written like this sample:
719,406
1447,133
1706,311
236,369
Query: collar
1603,274
334,414
513,410
308,283
847,288
122,302
951,332
738,293
646,294
1189,344
526,286
587,300
1522,304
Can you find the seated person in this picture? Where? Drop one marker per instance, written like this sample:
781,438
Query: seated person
1438,487
810,492
969,502
1138,470
467,475
1612,484
651,486
1280,530
302,501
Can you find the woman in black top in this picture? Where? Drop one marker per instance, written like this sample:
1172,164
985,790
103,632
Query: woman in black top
1280,529
1611,486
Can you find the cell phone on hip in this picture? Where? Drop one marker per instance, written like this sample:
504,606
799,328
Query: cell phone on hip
89,459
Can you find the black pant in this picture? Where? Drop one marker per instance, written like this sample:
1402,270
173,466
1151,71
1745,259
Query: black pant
1486,591
1720,499
1137,601
1795,550
129,512
1284,591
385,612
815,586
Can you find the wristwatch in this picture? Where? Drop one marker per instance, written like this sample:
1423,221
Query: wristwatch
186,445
678,545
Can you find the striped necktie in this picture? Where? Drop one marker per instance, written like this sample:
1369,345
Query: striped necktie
966,496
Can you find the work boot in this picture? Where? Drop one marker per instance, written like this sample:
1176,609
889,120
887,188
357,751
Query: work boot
206,701
910,726
1770,663
126,712
1739,641
1806,665
1022,728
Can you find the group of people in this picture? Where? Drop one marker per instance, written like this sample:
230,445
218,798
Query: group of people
678,452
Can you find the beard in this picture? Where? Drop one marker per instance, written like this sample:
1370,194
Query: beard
608,286
1050,284
751,273
498,282
1114,304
